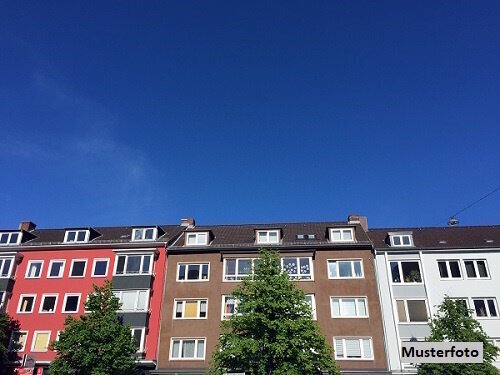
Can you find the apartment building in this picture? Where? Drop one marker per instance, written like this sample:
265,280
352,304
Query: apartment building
331,261
417,267
47,274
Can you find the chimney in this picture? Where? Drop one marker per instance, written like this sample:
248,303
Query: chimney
28,226
357,219
188,222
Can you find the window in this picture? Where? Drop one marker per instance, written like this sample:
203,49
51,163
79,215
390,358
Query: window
144,234
340,269
40,341
34,269
26,303
134,264
268,236
341,234
406,272
100,268
133,300
76,236
238,269
449,269
48,305
193,239
412,311
78,268
192,271
401,240
298,268
476,269
187,348
6,266
18,341
2,297
71,303
229,306
485,307
312,301
56,269
139,335
353,348
190,309
349,307
10,238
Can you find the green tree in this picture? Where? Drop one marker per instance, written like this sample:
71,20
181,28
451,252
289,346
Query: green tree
275,333
97,343
7,327
453,322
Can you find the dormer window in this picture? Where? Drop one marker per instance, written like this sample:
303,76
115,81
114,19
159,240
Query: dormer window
341,234
401,240
197,239
76,236
10,238
144,234
268,236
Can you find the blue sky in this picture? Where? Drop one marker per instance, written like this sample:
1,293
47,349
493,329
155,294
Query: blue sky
115,113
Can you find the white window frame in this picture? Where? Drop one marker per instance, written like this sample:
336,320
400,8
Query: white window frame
183,301
28,269
84,269
400,268
236,275
201,279
77,231
9,237
360,338
136,301
52,261
476,269
197,236
21,300
485,300
43,299
356,299
224,315
400,236
11,343
181,340
352,260
407,312
100,260
342,239
311,268
142,347
2,265
127,255
79,295
448,269
313,305
144,229
33,341
267,232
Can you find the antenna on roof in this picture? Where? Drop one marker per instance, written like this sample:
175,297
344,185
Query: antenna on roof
452,221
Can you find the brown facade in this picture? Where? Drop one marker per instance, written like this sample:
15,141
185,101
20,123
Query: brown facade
321,286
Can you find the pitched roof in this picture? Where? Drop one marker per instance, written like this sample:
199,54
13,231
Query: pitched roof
243,235
103,235
441,237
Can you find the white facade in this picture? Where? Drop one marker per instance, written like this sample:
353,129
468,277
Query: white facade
403,297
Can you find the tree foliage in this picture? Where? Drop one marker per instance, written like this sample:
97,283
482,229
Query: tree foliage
7,327
453,322
275,333
97,343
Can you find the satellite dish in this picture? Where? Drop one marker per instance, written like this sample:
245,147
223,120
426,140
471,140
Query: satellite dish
453,221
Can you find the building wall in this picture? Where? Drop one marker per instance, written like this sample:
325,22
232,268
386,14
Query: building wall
321,287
